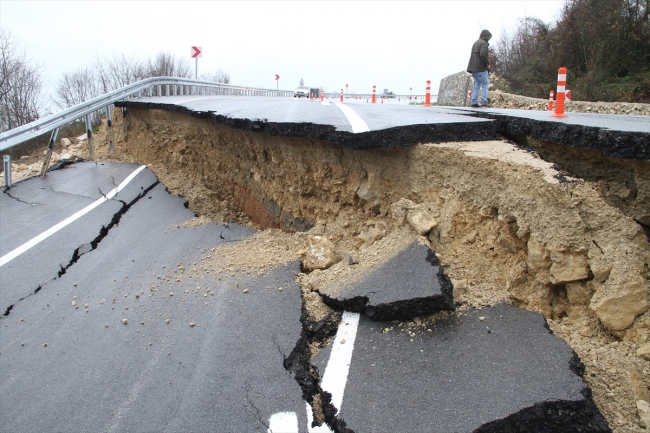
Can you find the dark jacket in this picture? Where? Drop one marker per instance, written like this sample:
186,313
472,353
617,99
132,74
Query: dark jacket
478,61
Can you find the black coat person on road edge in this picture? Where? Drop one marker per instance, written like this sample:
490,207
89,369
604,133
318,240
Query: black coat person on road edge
479,66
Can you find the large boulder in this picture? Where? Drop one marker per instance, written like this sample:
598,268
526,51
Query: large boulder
421,220
321,254
417,215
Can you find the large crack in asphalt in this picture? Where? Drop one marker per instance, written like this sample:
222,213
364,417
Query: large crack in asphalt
89,246
545,416
307,375
316,333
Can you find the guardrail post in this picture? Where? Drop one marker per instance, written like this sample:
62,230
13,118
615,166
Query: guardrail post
48,153
89,136
6,161
109,123
166,89
124,123
159,90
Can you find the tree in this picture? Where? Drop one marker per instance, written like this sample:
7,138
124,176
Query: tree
76,87
21,84
119,71
220,76
604,44
166,65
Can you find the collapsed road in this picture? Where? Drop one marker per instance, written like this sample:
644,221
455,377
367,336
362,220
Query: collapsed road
444,240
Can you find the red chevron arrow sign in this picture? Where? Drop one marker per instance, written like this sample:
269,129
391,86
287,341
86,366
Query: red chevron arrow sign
197,52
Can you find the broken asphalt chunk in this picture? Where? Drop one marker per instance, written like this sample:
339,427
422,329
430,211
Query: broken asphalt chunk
410,284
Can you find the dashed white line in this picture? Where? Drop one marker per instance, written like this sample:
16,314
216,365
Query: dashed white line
283,422
357,123
49,232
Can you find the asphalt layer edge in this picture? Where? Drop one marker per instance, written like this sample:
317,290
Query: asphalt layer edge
385,138
617,144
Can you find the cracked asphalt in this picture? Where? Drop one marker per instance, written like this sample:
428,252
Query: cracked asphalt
105,346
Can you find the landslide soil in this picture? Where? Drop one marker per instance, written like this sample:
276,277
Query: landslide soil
502,212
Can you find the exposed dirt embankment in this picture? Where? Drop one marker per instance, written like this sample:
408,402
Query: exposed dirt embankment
507,225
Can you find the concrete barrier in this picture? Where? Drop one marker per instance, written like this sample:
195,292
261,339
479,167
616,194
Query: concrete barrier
454,89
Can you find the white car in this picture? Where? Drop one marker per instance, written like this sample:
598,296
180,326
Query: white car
301,91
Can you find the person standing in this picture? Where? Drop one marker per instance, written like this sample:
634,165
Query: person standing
479,66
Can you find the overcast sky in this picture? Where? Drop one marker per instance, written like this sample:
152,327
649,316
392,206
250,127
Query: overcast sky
394,45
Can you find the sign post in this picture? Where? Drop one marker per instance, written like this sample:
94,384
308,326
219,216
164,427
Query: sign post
277,82
196,53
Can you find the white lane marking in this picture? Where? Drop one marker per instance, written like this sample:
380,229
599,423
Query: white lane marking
283,422
49,232
357,123
325,102
338,366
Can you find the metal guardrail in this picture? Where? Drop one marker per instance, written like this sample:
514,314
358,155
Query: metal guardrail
155,86
152,86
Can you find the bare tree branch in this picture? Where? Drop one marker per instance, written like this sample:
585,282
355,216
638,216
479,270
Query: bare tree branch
21,85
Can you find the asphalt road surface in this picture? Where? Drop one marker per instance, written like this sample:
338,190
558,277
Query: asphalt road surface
69,363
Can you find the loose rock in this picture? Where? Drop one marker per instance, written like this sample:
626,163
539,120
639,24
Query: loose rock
619,302
321,254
